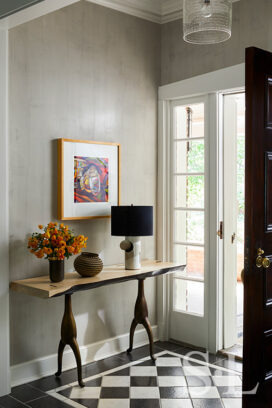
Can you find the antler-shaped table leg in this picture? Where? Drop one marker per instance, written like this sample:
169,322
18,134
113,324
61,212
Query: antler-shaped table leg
141,317
68,337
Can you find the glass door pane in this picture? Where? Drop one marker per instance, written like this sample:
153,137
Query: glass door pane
188,208
189,232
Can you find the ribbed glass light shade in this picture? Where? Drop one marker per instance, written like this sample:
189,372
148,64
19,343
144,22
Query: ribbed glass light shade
207,21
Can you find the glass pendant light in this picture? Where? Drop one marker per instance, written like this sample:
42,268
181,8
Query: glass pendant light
207,21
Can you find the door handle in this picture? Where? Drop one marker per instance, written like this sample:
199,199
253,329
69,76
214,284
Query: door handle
260,261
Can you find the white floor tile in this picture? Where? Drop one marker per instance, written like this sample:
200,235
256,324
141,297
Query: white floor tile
232,403
144,393
176,403
168,362
172,381
143,371
204,392
113,403
86,392
116,381
227,381
198,371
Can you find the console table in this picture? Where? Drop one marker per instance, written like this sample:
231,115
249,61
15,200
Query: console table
42,287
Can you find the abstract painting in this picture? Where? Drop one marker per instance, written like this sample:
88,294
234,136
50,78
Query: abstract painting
91,181
88,178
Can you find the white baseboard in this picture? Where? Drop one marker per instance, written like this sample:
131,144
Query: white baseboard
42,367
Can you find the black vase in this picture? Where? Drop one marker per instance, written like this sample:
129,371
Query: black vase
56,270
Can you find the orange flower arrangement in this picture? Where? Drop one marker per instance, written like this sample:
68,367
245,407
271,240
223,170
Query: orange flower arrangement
56,242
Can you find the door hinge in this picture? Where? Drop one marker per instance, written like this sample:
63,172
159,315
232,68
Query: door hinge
220,231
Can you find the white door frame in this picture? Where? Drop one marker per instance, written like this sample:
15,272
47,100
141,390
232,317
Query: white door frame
211,84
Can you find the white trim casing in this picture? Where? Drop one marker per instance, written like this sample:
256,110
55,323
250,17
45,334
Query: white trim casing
216,81
42,367
4,219
227,79
163,213
215,278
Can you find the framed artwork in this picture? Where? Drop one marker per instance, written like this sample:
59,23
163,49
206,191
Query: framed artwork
88,179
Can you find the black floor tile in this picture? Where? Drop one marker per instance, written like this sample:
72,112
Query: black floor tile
102,365
143,381
218,371
207,403
183,350
94,383
167,345
26,393
150,403
201,357
173,392
89,403
231,365
8,402
124,372
198,381
147,363
48,402
66,393
138,353
114,392
49,383
165,371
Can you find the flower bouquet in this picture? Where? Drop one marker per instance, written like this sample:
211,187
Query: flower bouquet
55,243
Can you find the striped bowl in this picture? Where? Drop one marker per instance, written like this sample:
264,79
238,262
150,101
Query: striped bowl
88,264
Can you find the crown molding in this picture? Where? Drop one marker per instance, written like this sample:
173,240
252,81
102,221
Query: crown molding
157,11
146,9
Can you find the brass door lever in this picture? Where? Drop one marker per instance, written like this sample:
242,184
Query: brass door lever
260,261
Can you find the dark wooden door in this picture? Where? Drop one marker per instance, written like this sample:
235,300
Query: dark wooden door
257,364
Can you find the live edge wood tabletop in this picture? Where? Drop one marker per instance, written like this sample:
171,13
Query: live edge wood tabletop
42,287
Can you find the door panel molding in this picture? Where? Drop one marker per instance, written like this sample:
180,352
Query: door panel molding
268,102
268,189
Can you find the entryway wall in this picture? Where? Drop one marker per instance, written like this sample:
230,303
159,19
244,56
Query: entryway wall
82,72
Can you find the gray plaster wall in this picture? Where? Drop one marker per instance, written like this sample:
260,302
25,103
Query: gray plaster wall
251,27
83,72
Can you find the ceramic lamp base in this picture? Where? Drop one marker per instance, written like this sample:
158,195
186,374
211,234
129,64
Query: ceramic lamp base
132,248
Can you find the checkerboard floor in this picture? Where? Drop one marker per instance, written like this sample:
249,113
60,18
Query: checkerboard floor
173,381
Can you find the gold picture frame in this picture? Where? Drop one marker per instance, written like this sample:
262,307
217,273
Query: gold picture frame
96,208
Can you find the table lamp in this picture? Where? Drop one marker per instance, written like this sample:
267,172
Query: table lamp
133,222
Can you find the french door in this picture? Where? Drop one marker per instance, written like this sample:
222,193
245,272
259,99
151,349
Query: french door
189,235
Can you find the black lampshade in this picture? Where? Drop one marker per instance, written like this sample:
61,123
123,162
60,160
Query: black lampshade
132,221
